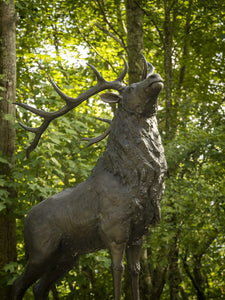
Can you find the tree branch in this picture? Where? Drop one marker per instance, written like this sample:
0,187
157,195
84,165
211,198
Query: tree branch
110,34
172,4
152,20
96,51
110,25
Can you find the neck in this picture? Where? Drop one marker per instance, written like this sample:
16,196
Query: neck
133,147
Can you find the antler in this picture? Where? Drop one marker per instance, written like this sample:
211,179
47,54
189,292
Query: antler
99,138
145,73
71,103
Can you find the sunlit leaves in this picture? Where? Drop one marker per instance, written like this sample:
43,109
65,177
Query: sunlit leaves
57,38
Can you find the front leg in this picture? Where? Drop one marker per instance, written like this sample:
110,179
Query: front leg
117,255
133,259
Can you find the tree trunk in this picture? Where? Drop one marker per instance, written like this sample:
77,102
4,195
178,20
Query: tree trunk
174,276
145,278
197,278
7,136
134,18
134,40
168,41
186,44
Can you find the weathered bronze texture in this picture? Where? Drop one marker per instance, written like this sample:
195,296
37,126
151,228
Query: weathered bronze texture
115,206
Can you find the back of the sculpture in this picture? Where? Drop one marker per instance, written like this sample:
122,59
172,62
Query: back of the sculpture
114,207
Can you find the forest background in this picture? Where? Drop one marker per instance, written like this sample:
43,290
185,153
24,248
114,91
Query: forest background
183,257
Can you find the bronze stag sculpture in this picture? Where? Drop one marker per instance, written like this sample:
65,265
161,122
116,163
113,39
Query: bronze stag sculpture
117,203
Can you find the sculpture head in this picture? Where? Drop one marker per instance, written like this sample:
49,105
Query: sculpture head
138,98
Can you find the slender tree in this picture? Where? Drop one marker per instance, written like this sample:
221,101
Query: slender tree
134,16
7,135
134,21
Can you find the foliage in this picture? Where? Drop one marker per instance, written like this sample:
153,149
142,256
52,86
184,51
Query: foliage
55,37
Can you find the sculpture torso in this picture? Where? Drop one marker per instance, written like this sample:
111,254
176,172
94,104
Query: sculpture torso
135,156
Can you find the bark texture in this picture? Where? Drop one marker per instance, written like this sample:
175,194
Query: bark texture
168,41
134,16
134,40
7,133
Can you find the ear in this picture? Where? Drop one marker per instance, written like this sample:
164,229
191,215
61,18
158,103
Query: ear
110,97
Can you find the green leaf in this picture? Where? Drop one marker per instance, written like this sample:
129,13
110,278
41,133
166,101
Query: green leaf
2,206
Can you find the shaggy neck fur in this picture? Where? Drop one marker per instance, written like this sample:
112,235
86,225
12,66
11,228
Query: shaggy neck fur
135,154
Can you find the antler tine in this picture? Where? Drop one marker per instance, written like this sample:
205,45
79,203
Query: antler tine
98,75
97,139
31,129
123,74
59,92
119,78
145,73
151,69
38,112
38,133
104,120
